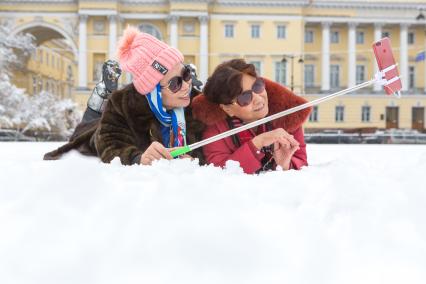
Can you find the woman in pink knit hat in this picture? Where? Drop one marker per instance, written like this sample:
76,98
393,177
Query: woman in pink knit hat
145,119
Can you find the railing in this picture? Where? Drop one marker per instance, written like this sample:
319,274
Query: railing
337,137
365,138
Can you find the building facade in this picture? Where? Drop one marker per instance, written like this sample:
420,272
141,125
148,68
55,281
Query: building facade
315,47
50,68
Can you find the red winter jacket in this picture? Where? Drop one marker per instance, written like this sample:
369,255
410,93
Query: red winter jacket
279,99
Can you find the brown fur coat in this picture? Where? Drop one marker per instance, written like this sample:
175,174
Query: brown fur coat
126,129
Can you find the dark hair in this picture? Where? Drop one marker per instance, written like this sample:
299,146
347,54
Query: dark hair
224,85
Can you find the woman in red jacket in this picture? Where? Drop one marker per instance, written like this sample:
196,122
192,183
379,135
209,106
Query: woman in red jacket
234,95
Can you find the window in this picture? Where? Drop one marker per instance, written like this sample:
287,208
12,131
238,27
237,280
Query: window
97,71
334,76
150,29
313,117
280,72
188,27
99,26
385,34
257,66
98,61
281,32
40,85
34,55
229,30
309,36
365,114
360,37
41,56
47,59
411,77
411,38
309,75
34,85
360,74
334,37
69,73
255,31
340,113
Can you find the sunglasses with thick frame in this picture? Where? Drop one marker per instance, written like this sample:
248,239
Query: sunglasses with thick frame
245,98
175,83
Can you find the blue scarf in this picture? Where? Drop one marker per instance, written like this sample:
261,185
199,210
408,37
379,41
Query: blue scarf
173,125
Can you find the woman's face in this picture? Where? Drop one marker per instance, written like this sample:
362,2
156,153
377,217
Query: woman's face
256,109
181,97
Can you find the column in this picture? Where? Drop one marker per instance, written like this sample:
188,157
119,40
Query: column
325,62
128,78
173,21
82,52
377,37
112,37
352,55
403,56
204,48
424,62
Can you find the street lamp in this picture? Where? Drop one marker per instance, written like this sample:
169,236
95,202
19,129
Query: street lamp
284,60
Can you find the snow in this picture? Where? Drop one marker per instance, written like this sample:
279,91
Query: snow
355,215
40,112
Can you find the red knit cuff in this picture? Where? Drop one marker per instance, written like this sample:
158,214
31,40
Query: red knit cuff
256,153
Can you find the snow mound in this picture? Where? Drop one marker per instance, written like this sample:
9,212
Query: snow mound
355,215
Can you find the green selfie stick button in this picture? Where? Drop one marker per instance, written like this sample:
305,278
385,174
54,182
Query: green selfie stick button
180,151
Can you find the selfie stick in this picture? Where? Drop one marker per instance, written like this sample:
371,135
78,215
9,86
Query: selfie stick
379,78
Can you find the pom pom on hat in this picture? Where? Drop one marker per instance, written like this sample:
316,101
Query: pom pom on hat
125,44
137,53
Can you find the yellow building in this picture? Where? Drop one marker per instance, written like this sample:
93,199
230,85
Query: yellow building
50,68
312,46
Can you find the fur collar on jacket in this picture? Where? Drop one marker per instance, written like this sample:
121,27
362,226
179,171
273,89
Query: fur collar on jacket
279,98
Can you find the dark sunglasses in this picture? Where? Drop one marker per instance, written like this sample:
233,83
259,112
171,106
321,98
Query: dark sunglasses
175,83
245,98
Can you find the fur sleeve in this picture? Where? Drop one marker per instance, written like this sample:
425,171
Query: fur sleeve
114,138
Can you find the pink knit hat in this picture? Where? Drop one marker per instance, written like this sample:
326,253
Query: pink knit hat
146,58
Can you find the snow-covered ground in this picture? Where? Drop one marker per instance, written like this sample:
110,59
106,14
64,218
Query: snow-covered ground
356,215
